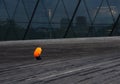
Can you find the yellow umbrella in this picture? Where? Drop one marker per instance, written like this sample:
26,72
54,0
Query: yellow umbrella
37,52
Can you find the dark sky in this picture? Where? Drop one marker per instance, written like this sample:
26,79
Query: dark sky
41,13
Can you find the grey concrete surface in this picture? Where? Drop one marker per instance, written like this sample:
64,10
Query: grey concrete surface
64,61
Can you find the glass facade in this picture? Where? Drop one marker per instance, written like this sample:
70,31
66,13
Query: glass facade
51,19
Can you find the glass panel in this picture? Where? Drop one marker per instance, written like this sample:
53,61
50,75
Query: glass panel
104,15
52,17
3,12
10,6
21,13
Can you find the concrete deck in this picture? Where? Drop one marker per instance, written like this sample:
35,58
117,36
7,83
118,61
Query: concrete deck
64,61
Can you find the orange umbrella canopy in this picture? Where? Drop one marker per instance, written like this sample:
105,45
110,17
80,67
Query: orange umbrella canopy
37,52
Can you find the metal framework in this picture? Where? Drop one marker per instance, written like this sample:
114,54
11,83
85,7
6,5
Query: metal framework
51,23
115,25
69,25
30,21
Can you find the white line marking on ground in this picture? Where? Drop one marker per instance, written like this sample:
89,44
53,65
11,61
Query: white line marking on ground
63,73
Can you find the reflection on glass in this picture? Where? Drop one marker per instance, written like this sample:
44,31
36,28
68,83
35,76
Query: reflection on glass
93,18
